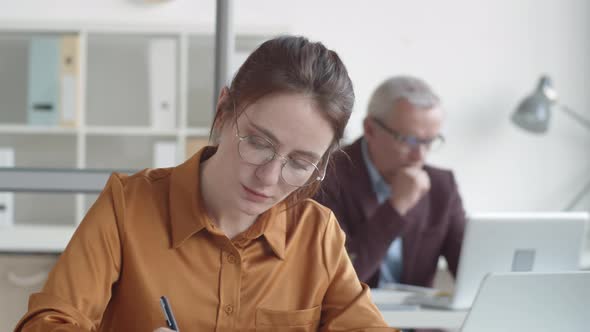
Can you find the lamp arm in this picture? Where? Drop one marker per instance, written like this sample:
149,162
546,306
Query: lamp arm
586,123
572,204
576,116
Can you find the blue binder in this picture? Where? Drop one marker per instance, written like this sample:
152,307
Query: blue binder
43,96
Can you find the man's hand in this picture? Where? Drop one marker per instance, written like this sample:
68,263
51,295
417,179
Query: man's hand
408,185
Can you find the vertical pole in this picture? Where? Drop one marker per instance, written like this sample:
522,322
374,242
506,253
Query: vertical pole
224,45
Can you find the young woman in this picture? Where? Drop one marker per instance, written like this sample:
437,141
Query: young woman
229,236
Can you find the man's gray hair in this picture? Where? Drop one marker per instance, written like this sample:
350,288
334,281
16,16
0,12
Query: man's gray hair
414,90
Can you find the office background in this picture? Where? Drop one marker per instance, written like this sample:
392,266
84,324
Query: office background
481,56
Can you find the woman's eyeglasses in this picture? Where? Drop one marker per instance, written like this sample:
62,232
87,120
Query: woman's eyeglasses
257,150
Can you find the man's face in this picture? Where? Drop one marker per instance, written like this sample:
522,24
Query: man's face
390,154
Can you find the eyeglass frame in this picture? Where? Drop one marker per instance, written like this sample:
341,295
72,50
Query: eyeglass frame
410,141
284,160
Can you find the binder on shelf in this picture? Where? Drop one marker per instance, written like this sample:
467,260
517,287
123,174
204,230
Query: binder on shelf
162,60
195,144
44,53
164,154
6,198
69,64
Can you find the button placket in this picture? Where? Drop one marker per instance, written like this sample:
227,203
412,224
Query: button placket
231,270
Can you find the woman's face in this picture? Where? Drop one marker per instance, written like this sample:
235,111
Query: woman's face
294,126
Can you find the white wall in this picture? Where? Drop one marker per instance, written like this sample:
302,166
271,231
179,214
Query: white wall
481,56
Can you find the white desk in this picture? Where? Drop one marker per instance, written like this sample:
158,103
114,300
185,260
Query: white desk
420,318
51,239
35,238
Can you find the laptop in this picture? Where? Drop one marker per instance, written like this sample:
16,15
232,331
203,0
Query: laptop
511,242
531,301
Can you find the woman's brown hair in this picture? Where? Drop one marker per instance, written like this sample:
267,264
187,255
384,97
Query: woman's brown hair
290,64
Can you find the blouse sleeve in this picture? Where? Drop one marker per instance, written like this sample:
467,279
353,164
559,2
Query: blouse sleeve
78,288
347,304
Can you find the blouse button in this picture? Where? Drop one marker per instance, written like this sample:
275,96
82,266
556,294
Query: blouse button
229,309
231,259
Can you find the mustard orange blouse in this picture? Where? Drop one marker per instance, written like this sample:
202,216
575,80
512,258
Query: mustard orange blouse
148,235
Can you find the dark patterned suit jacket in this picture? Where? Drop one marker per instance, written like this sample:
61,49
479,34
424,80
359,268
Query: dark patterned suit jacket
434,227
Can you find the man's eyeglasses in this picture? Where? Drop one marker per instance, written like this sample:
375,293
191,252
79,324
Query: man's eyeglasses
257,150
412,142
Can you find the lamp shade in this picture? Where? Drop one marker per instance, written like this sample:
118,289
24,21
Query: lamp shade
534,112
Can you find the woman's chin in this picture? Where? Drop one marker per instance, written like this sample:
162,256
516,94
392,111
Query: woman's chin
253,209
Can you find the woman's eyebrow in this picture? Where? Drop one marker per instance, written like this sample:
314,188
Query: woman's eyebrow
274,139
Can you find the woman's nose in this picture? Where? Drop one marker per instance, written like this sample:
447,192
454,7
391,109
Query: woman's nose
270,173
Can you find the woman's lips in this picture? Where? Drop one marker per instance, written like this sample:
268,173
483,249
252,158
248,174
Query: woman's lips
255,195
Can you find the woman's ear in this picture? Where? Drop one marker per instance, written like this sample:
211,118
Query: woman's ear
222,100
221,113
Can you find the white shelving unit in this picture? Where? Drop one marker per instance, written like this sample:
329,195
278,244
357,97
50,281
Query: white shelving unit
113,129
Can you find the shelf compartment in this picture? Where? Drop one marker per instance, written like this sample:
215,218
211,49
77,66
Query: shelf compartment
120,79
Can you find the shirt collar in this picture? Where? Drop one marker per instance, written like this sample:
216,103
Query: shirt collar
189,216
272,224
379,185
187,212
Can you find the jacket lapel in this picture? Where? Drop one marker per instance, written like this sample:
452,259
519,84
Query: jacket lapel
359,175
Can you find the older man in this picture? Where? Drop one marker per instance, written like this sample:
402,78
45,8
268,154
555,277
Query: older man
399,213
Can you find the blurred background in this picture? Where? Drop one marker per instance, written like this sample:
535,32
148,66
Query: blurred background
482,57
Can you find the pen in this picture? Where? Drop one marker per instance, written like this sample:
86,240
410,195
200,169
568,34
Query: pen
170,321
